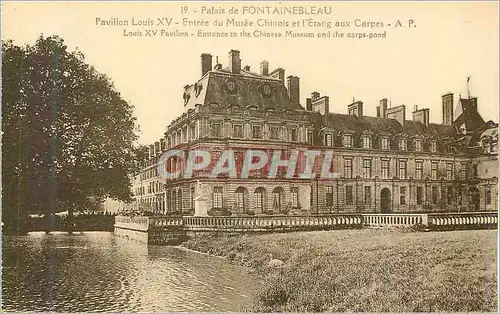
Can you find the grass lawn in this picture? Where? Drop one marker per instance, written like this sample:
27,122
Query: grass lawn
366,270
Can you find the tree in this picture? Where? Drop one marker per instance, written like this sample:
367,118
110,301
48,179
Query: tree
68,136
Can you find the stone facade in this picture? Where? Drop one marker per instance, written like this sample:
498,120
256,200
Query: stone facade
386,163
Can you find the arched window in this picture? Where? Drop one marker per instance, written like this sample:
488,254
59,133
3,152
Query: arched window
259,200
278,199
240,199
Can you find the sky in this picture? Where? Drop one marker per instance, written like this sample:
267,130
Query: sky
411,66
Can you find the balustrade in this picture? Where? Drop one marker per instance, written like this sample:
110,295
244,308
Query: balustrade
290,223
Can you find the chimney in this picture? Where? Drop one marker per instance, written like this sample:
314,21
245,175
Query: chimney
382,108
206,63
234,61
447,101
320,104
279,73
217,66
473,102
309,105
157,148
151,151
294,89
421,115
356,109
246,68
264,68
398,113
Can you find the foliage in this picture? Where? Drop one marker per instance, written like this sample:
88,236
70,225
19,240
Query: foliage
68,136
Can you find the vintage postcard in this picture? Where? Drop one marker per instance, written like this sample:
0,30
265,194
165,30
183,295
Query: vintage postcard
249,156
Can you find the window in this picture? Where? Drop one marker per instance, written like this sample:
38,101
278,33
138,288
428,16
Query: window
179,200
488,197
256,131
402,144
449,171
278,199
474,171
402,169
419,195
418,145
192,131
384,143
311,196
434,170
239,199
367,141
450,196
402,195
463,171
217,197
367,168
238,130
368,194
184,135
216,130
385,169
258,199
275,132
294,195
434,195
433,146
348,195
348,168
328,140
293,135
347,140
309,138
329,196
418,170
192,197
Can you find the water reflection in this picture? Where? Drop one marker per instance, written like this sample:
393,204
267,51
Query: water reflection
96,271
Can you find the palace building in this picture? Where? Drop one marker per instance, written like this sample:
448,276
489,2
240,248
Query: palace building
388,163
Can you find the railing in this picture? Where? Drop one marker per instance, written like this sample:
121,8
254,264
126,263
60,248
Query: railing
433,221
271,223
159,222
465,220
394,219
133,223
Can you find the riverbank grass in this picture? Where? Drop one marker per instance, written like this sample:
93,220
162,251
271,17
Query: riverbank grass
366,270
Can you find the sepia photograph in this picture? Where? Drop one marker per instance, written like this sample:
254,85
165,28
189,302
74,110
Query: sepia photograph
280,156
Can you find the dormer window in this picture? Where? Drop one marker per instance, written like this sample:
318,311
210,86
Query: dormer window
367,141
384,143
418,145
347,140
328,140
433,146
402,144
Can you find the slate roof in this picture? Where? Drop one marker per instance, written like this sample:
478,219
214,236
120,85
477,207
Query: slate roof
248,91
342,122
